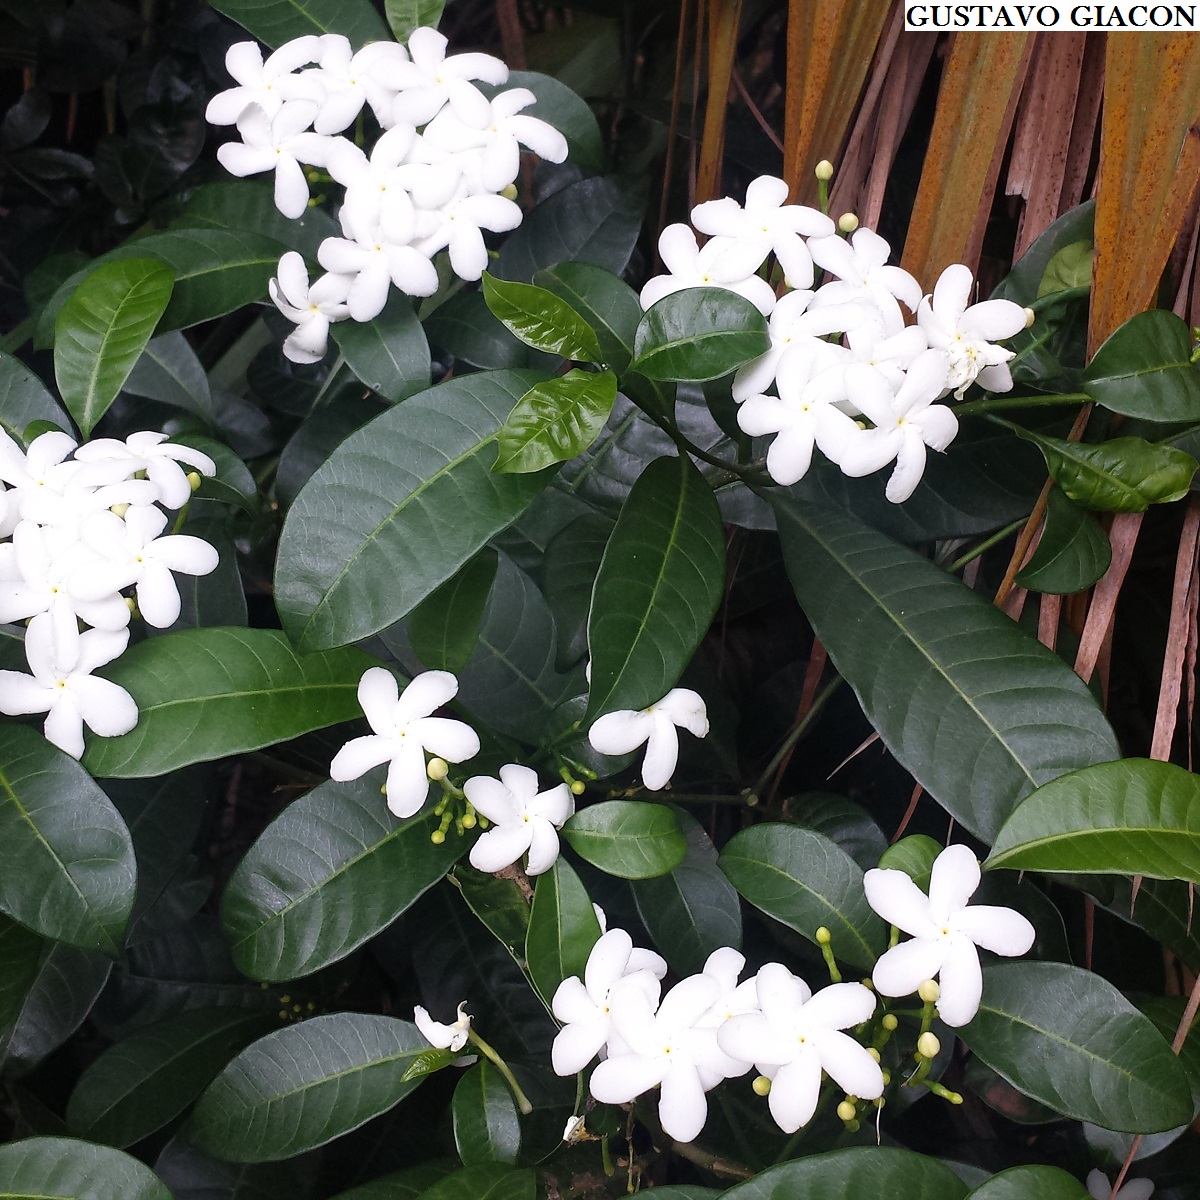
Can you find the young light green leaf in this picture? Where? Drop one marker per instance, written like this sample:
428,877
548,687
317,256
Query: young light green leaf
555,420
806,881
208,693
66,860
445,626
101,331
332,870
660,581
24,399
403,16
606,302
279,21
1071,555
487,1126
1070,1040
957,691
389,354
66,1169
698,334
304,1085
1070,267
1131,817
632,839
562,929
541,319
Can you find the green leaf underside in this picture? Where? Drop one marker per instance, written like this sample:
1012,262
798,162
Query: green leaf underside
562,929
659,585
208,693
699,334
1072,553
303,1086
959,693
1069,1039
487,1126
555,420
25,399
541,319
59,1168
631,839
67,866
279,21
397,509
1132,817
445,625
331,871
806,881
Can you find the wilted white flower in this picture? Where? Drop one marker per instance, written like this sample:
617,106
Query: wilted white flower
623,731
690,265
268,84
444,1037
310,308
1135,1189
523,819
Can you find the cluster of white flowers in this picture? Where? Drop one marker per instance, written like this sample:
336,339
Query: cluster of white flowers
442,172
82,525
850,377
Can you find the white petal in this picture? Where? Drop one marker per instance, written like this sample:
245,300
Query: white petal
426,693
452,740
571,1002
794,1091
540,137
780,993
242,160
157,595
620,732
619,1080
107,709
952,882
790,455
952,293
291,188
492,799
369,291
724,965
183,553
687,1002
501,847
903,968
607,962
682,1106
543,847
678,249
555,805
840,1005
998,929
894,896
910,466
21,694
407,783
377,696
961,981
993,320
359,755
64,726
752,1038
98,647
686,709
662,753
576,1045
849,1065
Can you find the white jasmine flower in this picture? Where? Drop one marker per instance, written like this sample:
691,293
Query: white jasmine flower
374,263
966,333
797,1035
691,266
444,1037
63,687
663,1046
159,458
41,468
734,999
862,274
523,819
890,354
267,84
351,80
460,227
376,191
584,1006
623,731
1135,1189
432,80
403,732
767,223
310,309
945,932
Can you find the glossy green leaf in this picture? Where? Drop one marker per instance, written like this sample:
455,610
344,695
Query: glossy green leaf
25,399
445,625
606,302
279,21
403,16
465,327
1071,555
541,319
388,354
1070,1040
170,372
914,855
66,861
148,1079
1070,267
693,909
59,1168
698,334
555,420
562,929
101,331
397,509
305,1085
569,113
485,1181
959,694
569,568
499,903
804,880
632,839
487,1126
332,870
1121,475
660,581
854,1174
1031,1183
1131,817
1145,369
208,693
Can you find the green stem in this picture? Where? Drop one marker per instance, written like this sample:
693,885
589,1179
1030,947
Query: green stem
958,564
985,406
795,735
490,1054
17,336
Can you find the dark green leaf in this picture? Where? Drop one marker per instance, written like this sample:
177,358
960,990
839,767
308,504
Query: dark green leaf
555,420
305,1085
66,861
1071,555
660,581
403,16
1070,1040
1145,369
914,855
233,483
464,326
397,509
24,399
499,903
332,870
569,114
804,880
1131,817
607,303
279,21
958,693
699,334
389,354
569,568
485,1181
148,1079
843,822
562,929
1031,1183
445,625
57,1168
101,331
192,1175
631,839
487,1126
208,693
408,1184
20,950
541,319
170,372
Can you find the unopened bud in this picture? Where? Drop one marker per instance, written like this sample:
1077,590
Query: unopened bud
928,1045
578,787
510,192
437,769
890,1022
929,991
469,820
437,837
824,170
879,1101
824,937
119,509
847,1111
761,1086
873,1053
853,1126
847,222
131,604
1030,317
868,983
194,481
887,1076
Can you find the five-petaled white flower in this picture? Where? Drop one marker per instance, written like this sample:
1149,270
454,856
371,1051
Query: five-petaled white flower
432,80
1135,1189
268,84
862,273
692,265
310,308
404,731
523,819
945,932
159,458
444,1037
623,731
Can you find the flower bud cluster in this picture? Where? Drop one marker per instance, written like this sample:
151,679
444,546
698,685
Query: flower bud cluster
82,526
438,177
